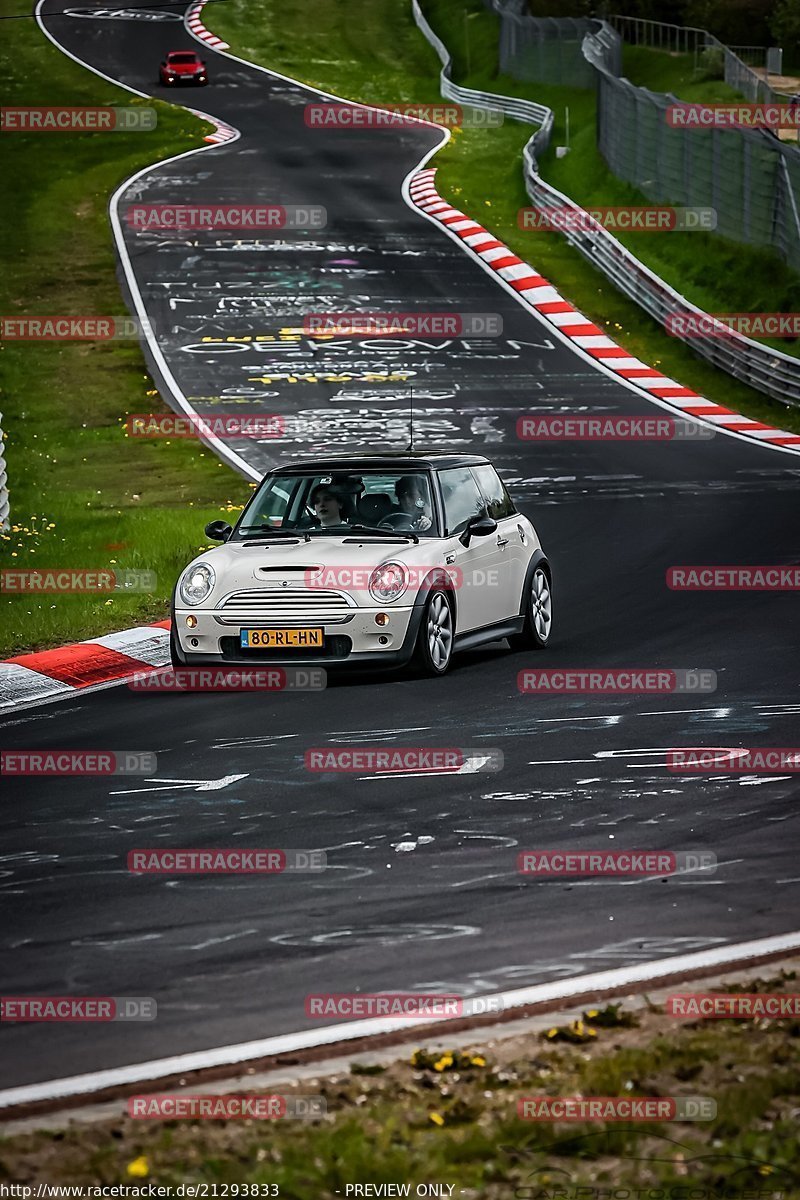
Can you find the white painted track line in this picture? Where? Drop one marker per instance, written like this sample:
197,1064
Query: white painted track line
648,973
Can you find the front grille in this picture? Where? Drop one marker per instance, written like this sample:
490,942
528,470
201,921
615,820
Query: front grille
292,605
335,648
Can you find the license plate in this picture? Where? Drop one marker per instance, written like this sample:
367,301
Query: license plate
272,639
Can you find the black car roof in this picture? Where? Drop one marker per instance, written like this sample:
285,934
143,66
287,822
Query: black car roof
386,462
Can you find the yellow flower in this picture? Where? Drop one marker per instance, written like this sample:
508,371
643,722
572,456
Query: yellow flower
551,1033
478,1060
139,1167
445,1061
436,1118
593,1012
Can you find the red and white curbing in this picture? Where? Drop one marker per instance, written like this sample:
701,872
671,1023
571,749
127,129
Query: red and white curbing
536,292
66,670
195,24
222,132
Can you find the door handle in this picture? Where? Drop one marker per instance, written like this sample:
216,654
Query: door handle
502,542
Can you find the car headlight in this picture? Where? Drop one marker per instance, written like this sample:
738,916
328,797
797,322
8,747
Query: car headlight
388,582
197,583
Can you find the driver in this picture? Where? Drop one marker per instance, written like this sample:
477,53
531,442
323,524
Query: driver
412,496
327,506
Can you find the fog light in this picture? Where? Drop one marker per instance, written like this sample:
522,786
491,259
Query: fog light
381,618
194,642
383,640
191,621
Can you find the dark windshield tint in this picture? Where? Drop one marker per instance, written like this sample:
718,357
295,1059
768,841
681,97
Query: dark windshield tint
183,59
337,501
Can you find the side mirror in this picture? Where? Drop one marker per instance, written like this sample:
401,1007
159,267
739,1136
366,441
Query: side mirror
481,525
218,531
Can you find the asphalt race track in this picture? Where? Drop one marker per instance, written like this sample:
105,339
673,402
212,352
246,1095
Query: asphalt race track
422,891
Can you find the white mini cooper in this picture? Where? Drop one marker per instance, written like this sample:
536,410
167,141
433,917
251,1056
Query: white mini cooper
369,562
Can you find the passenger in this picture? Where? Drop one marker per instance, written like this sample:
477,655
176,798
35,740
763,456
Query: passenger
414,500
327,506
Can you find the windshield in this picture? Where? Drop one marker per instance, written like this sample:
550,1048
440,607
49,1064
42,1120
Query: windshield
338,502
183,59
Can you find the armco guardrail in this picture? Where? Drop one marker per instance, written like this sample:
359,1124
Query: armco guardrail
770,371
523,110
4,520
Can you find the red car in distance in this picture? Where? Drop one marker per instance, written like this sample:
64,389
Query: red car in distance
182,66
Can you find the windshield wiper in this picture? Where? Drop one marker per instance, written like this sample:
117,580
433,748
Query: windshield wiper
274,531
405,533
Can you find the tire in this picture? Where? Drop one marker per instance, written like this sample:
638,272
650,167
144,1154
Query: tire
535,633
434,648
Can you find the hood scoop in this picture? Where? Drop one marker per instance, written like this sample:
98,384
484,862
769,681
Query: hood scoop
298,569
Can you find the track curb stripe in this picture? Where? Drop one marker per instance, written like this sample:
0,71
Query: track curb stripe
547,302
29,678
193,20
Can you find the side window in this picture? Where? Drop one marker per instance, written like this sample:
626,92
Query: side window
462,498
498,502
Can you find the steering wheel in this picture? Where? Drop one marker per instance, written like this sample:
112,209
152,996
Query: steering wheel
396,521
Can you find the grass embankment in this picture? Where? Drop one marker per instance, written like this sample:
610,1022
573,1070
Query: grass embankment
82,494
451,1118
376,54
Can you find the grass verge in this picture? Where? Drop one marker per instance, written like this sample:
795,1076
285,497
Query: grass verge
321,42
450,1117
83,495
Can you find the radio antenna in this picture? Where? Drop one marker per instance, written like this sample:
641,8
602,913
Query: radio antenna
410,445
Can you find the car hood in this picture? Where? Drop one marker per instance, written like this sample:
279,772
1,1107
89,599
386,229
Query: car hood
240,565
